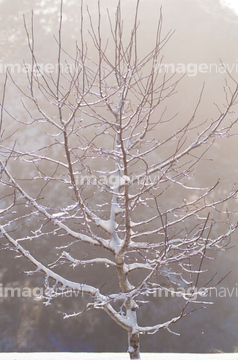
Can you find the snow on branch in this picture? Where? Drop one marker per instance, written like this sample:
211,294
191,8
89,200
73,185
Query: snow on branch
113,179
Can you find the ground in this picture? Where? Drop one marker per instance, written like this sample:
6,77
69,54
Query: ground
114,356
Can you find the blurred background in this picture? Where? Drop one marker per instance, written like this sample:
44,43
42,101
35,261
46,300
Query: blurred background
206,32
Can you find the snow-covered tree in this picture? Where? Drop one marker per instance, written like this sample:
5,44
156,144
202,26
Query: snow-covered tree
104,179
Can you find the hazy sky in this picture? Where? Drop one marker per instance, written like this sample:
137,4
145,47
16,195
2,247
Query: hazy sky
233,4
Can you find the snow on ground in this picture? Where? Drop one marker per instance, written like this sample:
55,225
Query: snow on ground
114,356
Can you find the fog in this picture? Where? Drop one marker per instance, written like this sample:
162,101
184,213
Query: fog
205,36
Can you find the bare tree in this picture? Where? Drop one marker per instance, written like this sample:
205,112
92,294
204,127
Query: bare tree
104,178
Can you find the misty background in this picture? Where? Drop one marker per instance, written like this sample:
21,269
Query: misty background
206,32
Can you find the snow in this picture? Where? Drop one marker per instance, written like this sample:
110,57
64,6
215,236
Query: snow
125,179
107,225
56,215
114,356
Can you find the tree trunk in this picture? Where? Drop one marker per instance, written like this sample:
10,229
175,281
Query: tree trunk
133,345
